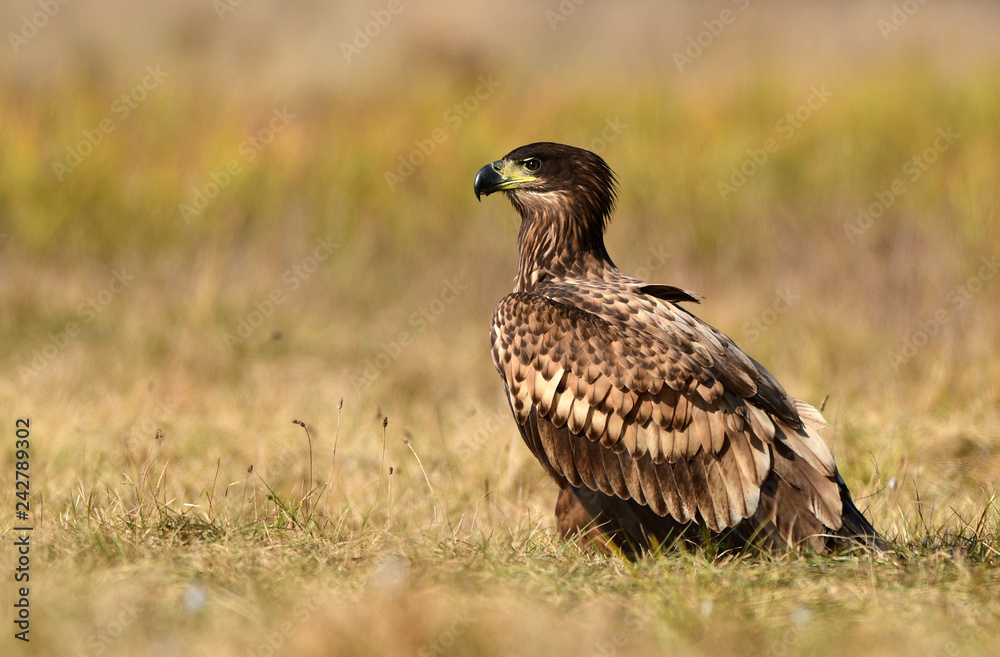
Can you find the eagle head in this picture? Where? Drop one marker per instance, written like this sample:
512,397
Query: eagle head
545,177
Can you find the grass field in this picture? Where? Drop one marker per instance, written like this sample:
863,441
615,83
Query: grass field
214,223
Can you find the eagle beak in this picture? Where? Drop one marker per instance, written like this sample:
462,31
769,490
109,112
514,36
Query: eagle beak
489,179
496,177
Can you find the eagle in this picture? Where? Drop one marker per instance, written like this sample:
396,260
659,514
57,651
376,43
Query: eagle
659,430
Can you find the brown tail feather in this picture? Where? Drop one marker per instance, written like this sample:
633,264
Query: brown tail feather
856,527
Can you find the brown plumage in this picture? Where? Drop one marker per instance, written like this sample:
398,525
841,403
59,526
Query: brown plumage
655,425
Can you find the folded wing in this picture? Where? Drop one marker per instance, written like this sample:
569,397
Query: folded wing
670,415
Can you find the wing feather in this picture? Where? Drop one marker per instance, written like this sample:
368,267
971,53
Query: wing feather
717,486
578,417
615,427
685,489
616,478
630,438
668,491
735,489
560,415
651,490
662,415
700,431
653,440
630,472
550,390
585,467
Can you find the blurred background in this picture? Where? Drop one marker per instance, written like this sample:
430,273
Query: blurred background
215,215
219,216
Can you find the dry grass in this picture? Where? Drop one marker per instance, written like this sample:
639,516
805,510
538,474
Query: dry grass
178,509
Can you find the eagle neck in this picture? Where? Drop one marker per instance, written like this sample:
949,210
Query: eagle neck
557,244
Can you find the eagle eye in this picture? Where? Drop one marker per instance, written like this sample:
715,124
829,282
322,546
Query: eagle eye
532,165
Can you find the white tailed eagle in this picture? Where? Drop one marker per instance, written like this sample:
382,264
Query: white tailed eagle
656,426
